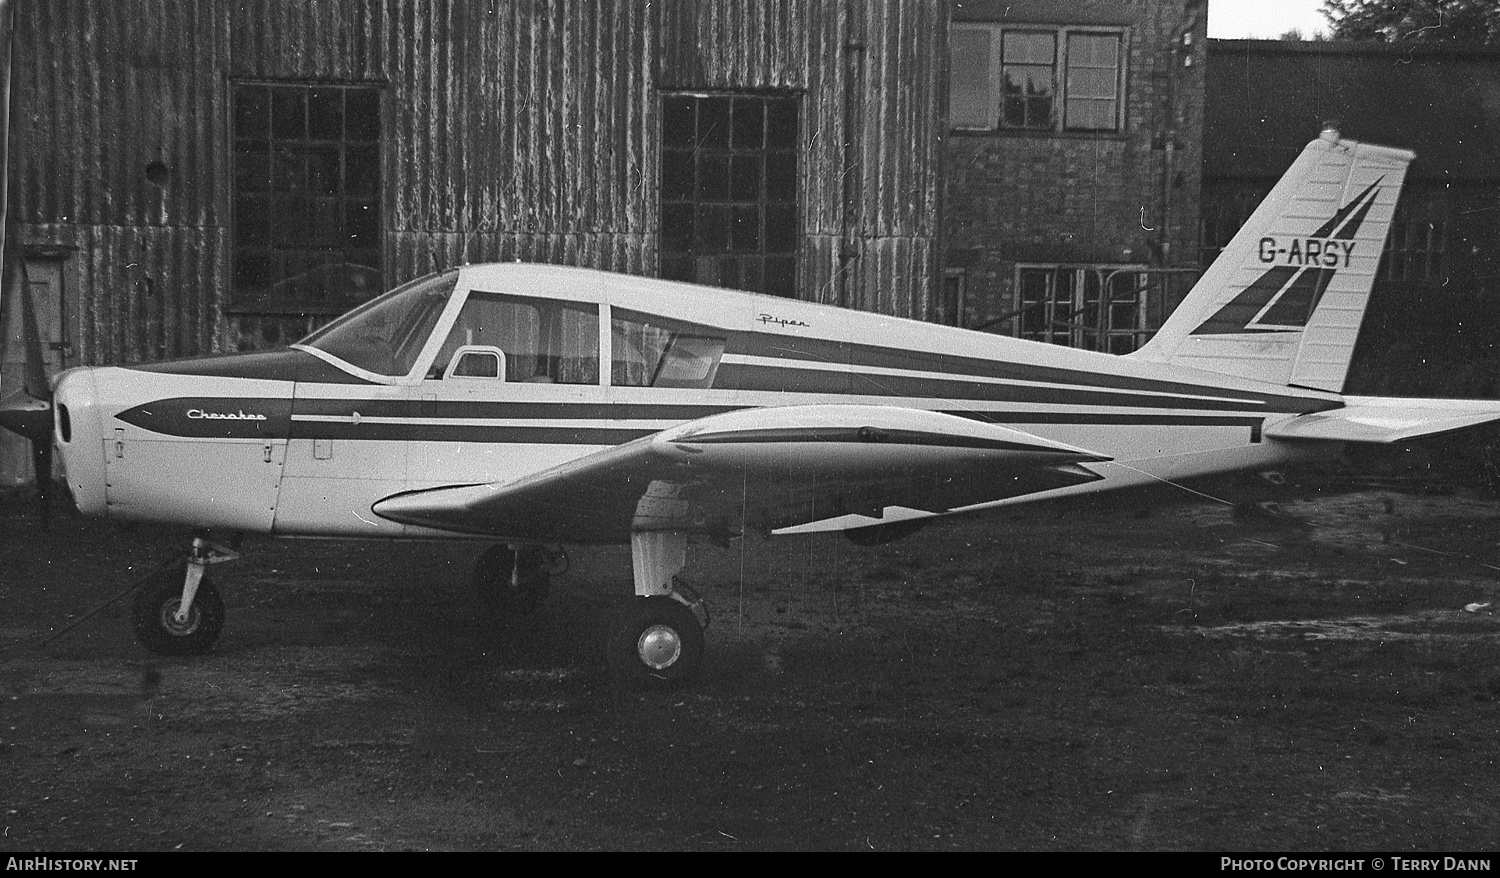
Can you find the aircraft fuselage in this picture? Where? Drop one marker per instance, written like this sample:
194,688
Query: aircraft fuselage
300,442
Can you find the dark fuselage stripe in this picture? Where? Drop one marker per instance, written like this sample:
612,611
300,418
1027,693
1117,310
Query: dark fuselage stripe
593,411
545,435
803,358
183,416
802,350
542,433
538,435
784,379
1108,420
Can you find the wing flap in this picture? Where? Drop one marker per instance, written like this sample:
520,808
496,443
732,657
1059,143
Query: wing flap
766,468
1383,420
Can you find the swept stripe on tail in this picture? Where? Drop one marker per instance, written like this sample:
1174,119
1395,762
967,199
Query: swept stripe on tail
1284,301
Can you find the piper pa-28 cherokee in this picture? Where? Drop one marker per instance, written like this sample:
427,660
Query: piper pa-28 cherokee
535,405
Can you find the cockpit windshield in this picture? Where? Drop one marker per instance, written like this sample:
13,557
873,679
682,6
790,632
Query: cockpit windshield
386,334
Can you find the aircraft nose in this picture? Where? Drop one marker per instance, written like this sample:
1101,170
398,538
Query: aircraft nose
79,439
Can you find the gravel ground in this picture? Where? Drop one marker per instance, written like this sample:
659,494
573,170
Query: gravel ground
1297,671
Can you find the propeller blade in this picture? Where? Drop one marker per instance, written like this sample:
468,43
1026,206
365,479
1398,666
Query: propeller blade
41,461
22,413
28,411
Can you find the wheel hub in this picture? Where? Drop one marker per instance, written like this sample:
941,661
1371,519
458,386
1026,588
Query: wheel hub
659,647
169,621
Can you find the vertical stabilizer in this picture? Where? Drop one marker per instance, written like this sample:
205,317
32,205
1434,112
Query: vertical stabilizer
1284,301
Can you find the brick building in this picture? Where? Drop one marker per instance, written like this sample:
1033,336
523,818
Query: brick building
1072,161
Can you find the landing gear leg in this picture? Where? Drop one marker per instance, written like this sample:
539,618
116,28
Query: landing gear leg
180,611
658,640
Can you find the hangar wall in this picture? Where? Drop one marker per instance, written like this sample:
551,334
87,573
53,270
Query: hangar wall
508,130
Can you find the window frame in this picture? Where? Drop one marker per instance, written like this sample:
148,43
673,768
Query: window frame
995,98
1096,337
359,140
1416,246
693,197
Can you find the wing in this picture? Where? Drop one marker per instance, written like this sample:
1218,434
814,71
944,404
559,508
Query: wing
834,466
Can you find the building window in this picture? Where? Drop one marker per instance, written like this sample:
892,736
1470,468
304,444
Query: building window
729,191
306,196
1027,79
1096,307
1415,249
1018,78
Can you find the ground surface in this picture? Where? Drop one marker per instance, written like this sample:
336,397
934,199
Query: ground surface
1300,673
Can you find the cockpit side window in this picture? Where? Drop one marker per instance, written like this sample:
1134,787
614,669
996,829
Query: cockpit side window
385,335
650,351
545,340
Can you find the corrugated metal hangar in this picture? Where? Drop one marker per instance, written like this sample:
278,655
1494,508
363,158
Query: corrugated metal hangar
192,178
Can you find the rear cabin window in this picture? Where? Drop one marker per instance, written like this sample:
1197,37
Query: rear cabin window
651,351
544,341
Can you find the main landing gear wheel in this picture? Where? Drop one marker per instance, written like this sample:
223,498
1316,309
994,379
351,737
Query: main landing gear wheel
657,642
154,616
506,583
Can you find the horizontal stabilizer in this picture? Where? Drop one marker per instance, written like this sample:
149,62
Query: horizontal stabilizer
1383,420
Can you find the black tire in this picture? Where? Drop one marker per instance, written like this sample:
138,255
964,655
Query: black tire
155,605
492,586
656,643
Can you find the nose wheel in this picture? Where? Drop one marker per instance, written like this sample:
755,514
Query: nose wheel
163,630
657,642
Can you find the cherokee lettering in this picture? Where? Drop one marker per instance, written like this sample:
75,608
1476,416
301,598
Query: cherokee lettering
201,415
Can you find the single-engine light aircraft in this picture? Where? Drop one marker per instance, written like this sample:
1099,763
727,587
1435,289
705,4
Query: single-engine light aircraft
533,406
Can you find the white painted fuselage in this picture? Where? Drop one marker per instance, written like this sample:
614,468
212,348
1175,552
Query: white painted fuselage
300,442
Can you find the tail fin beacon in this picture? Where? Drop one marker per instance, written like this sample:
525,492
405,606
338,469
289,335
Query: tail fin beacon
1284,301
